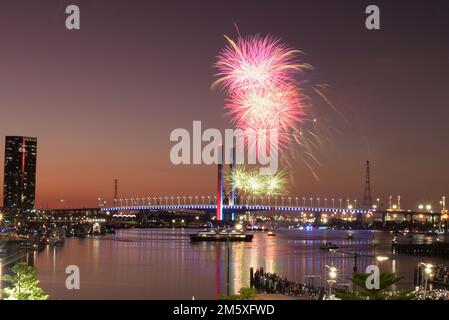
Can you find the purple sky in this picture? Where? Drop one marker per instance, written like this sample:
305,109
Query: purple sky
103,100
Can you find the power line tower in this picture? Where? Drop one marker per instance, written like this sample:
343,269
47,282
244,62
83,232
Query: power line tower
367,203
115,192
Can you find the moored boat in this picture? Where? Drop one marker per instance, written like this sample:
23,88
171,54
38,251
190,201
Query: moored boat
34,244
329,246
218,235
56,241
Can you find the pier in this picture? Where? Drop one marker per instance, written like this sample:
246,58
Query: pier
424,250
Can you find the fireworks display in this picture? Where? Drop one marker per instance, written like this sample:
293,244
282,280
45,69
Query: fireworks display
259,75
253,183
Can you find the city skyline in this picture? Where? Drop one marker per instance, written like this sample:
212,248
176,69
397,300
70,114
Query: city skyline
112,93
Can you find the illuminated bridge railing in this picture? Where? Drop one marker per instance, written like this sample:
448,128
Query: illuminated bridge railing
202,207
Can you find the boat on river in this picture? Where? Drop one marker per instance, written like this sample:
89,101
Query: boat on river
37,244
329,246
221,235
56,241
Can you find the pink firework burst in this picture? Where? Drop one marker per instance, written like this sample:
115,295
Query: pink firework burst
266,109
260,77
256,62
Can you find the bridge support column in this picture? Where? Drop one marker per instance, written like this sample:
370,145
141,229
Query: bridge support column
220,174
359,218
232,201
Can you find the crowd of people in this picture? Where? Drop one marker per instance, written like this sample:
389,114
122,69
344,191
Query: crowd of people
435,294
441,273
271,283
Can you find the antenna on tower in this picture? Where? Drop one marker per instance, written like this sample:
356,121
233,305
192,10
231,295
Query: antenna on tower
115,192
367,203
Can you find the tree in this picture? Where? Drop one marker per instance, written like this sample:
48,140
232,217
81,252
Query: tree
361,292
244,294
24,284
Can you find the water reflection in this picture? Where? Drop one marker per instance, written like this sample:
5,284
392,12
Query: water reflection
164,264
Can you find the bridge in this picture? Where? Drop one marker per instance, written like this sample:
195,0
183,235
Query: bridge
234,208
229,204
229,212
288,204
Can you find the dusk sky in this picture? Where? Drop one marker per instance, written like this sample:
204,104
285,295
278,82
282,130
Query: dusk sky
103,100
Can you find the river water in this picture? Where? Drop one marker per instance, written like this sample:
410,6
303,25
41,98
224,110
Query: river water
164,264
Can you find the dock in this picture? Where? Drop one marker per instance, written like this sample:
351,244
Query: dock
423,250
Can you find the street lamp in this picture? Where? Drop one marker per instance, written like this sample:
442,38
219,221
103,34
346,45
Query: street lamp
332,276
381,258
428,207
428,271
